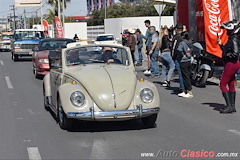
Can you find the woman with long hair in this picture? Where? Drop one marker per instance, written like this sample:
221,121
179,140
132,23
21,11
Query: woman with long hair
167,61
230,55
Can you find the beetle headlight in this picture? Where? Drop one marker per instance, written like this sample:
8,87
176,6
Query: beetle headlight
77,98
43,60
147,95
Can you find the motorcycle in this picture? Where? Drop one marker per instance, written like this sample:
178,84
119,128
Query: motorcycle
202,65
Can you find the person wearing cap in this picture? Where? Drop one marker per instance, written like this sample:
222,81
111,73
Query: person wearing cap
154,52
131,43
230,55
175,43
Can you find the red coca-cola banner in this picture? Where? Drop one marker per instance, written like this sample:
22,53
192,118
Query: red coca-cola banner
215,13
59,27
45,25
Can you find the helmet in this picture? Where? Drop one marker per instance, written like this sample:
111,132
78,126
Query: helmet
231,25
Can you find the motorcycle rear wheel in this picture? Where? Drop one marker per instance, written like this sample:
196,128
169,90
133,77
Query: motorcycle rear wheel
201,81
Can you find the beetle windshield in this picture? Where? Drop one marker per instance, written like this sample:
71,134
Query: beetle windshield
94,55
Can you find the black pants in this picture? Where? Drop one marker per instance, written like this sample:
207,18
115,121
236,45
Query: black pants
132,53
186,74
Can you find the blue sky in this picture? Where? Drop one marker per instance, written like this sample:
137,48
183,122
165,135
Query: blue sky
76,7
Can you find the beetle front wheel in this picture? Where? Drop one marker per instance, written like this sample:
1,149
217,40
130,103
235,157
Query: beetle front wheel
64,122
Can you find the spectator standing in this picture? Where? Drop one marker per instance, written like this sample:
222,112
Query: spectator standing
231,53
131,43
176,40
76,37
148,44
139,46
154,51
166,57
185,55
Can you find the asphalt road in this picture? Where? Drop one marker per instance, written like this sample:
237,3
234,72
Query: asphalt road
27,131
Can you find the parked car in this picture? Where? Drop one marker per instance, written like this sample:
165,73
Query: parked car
105,38
25,40
41,52
5,41
98,83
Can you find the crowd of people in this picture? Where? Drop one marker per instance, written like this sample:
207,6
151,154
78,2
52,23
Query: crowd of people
174,51
173,47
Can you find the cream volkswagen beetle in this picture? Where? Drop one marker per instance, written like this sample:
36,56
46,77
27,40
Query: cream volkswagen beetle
98,83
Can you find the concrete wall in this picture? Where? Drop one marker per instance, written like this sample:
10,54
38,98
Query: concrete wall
79,28
117,25
94,31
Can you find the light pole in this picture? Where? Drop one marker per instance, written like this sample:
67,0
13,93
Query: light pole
59,9
105,9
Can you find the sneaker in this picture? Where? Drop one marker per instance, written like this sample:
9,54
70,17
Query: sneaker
164,84
182,94
168,83
188,96
147,72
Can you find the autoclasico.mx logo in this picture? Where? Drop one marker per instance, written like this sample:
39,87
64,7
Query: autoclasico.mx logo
187,153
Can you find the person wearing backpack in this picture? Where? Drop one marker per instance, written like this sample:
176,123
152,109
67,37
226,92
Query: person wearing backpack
230,55
184,56
175,43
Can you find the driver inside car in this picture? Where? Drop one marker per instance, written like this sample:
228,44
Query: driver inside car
73,57
107,56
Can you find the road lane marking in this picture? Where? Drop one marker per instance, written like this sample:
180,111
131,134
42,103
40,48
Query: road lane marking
30,111
33,153
235,131
9,84
1,62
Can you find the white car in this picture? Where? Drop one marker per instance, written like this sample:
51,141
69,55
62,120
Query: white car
105,39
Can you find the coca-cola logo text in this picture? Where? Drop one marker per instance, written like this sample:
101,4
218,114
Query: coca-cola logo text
59,28
212,6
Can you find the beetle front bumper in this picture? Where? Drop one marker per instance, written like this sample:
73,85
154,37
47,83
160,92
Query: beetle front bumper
92,115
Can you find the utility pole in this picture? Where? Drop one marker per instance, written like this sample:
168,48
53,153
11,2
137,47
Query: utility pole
41,14
25,24
63,16
14,17
59,9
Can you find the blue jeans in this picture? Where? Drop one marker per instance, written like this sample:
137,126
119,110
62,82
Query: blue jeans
140,56
167,61
154,62
177,63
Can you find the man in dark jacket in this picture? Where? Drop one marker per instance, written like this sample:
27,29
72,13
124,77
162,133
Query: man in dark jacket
176,40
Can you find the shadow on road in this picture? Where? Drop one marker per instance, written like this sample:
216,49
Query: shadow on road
107,126
96,126
215,106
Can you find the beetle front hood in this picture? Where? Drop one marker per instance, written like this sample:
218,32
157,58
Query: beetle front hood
111,87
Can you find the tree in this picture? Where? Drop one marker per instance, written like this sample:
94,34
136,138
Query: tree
54,3
50,16
127,10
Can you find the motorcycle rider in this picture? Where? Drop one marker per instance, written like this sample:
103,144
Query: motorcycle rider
231,53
